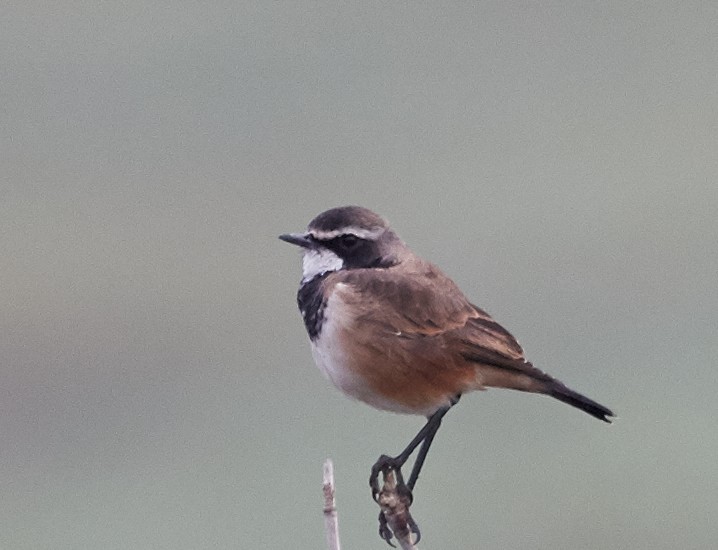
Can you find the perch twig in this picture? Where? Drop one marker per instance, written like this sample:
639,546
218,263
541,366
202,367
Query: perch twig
331,521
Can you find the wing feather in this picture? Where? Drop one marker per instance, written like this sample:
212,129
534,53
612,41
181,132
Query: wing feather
426,304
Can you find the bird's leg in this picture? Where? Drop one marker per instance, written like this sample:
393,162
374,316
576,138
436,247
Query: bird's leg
424,437
420,457
386,464
424,449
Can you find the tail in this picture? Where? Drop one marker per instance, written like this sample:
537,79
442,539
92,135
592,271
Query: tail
562,393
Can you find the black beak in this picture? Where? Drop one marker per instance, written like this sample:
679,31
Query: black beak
300,239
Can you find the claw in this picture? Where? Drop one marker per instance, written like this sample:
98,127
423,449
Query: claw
402,489
381,466
414,528
384,530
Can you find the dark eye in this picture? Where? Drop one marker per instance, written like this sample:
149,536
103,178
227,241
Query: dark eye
348,241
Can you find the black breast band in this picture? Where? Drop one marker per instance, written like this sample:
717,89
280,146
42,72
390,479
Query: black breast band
311,304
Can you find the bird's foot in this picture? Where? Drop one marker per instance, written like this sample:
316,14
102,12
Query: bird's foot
394,497
386,533
383,466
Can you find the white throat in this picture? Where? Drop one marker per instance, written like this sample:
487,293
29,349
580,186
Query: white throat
317,262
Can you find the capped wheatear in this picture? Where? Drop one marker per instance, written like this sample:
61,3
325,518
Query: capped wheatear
390,329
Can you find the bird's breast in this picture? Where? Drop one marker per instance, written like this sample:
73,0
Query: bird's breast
337,354
371,364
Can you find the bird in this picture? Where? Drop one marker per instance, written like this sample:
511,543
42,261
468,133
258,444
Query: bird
390,329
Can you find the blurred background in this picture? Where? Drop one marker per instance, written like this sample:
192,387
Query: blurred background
559,160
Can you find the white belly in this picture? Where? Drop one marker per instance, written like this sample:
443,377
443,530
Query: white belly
333,360
337,364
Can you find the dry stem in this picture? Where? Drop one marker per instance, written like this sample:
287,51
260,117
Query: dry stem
331,522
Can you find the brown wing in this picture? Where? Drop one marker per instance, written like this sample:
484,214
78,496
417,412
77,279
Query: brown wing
426,303
425,320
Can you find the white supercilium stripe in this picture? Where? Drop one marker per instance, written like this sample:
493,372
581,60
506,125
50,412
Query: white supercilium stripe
362,233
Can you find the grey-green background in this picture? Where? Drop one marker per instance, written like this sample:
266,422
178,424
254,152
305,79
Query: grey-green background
558,159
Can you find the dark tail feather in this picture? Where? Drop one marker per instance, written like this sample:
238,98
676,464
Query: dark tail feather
562,393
